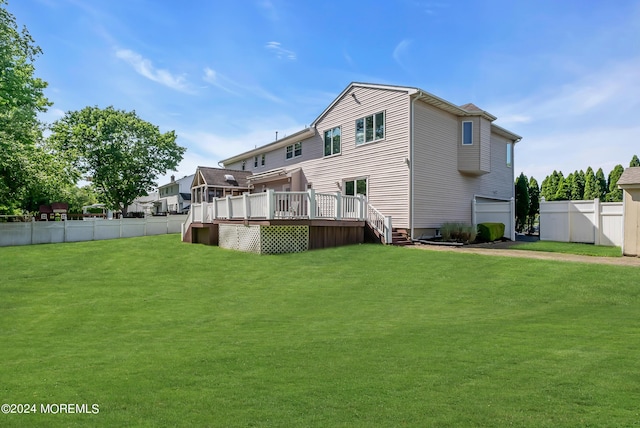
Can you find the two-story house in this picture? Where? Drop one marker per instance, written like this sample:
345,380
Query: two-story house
416,157
175,196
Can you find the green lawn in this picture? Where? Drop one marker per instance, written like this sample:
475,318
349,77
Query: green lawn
161,333
570,248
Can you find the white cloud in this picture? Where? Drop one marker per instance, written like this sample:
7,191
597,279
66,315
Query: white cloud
400,52
591,121
222,82
145,68
280,52
270,10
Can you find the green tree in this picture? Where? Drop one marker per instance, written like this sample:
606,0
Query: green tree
615,194
634,161
534,202
601,185
21,99
550,185
590,186
564,191
577,186
122,154
522,202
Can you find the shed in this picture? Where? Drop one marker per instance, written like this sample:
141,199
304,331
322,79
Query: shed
629,182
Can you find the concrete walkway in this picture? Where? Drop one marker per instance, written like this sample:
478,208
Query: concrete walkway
539,255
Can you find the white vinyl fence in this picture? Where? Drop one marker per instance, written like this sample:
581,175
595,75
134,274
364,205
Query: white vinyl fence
49,232
590,222
495,211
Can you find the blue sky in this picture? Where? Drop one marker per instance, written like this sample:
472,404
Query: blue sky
226,75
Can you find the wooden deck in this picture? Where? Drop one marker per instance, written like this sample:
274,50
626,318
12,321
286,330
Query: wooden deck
321,233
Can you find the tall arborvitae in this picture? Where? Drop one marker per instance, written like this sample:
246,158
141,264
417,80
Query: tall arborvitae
601,185
634,161
615,194
522,202
534,202
563,192
577,186
590,186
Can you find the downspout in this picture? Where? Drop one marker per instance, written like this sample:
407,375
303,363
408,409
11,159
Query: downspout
411,170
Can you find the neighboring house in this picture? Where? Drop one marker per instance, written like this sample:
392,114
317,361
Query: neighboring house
210,183
416,157
174,197
143,204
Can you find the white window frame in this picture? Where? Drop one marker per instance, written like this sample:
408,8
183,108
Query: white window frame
332,130
263,159
374,126
255,161
509,155
293,151
470,132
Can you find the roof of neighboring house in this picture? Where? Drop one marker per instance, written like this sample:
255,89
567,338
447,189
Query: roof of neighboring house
186,178
218,177
630,177
185,196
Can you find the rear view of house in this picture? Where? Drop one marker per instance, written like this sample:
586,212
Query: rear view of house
416,158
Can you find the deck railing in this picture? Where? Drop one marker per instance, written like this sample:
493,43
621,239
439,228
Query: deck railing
272,205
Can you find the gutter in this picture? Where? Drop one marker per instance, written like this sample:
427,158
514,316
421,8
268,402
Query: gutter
411,153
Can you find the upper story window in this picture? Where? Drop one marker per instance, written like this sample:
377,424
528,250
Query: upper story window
255,161
332,141
509,154
467,133
263,159
293,151
370,128
244,165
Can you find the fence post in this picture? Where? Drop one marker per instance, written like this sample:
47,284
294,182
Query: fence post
214,209
512,207
311,194
597,221
271,204
338,213
203,210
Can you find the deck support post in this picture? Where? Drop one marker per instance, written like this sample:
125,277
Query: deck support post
246,205
229,208
312,204
271,204
338,213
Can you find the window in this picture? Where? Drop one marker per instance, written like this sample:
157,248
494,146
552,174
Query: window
355,187
370,128
244,165
264,159
255,162
332,141
467,133
509,154
293,151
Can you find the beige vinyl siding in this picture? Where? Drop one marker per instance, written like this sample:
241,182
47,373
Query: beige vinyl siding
441,193
475,158
381,162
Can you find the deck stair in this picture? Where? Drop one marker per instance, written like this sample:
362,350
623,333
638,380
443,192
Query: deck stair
401,237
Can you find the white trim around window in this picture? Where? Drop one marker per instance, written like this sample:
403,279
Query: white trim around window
293,151
370,129
333,141
467,133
